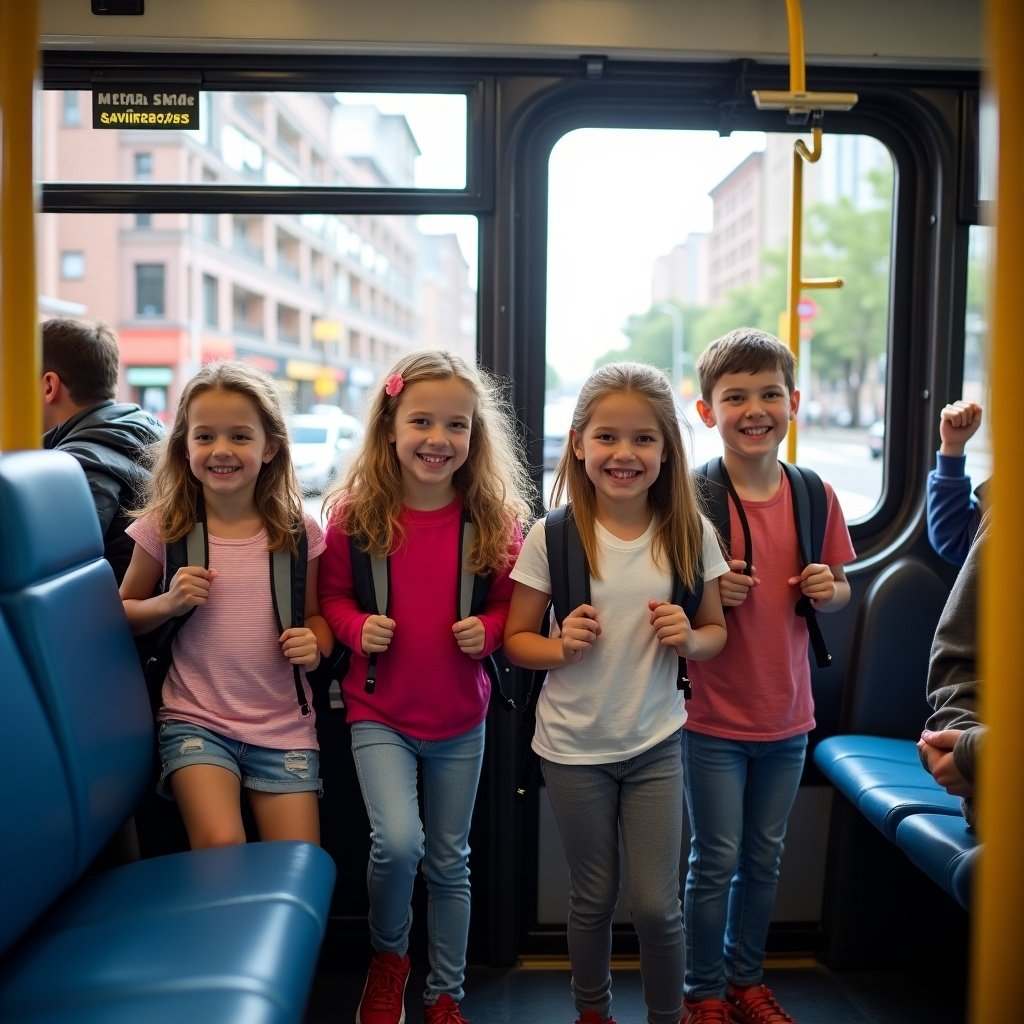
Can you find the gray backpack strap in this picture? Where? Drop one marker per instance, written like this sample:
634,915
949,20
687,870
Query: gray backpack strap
468,578
281,581
288,591
379,574
195,546
379,569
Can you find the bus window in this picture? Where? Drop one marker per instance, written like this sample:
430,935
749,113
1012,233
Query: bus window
348,140
659,241
322,302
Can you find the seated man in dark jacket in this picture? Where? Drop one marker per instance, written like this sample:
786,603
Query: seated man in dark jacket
80,416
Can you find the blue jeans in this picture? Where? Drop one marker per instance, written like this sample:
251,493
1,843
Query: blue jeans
642,800
739,795
387,763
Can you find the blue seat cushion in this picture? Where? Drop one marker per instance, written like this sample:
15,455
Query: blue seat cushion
886,806
944,848
835,749
240,926
884,778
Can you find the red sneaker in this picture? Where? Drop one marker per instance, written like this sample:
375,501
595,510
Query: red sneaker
706,1011
755,1004
383,1000
593,1017
444,1011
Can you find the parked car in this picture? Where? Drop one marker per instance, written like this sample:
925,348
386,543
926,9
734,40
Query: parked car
876,439
321,447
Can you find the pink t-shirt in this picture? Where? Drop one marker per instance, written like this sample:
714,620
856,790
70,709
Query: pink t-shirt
426,687
759,686
229,674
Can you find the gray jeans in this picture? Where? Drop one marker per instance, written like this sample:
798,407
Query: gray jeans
640,800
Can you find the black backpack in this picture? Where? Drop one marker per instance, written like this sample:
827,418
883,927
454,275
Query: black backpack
570,587
371,579
287,586
810,512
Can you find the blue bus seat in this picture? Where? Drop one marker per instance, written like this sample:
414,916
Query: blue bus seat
944,848
876,770
883,778
60,600
232,933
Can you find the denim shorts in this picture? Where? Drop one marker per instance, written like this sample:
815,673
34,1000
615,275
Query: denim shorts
260,768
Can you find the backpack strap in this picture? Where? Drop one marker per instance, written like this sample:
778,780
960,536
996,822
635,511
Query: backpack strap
371,581
467,578
717,488
371,585
192,549
570,587
570,577
473,590
155,646
288,589
810,510
689,600
564,546
567,563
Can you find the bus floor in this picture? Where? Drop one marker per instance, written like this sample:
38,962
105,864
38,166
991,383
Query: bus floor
538,993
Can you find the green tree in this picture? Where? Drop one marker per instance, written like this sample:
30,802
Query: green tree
754,305
651,337
850,329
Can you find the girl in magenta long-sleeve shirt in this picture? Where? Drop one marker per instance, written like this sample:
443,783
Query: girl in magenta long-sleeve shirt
439,445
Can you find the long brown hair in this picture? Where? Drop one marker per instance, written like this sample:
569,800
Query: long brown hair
679,532
493,483
174,490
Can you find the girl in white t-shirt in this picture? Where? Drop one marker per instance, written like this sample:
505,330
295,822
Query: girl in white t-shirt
610,713
230,715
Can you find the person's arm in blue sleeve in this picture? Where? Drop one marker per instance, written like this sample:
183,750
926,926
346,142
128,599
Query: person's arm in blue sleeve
953,511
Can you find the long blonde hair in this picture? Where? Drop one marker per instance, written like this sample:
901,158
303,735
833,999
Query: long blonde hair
493,483
679,532
174,491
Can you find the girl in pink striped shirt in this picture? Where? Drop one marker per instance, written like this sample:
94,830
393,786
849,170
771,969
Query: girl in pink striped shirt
229,716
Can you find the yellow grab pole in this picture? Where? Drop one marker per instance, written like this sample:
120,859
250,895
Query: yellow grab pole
800,103
796,235
797,61
998,900
796,281
21,409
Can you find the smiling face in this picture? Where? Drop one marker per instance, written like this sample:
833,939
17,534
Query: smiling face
622,447
752,412
227,443
432,428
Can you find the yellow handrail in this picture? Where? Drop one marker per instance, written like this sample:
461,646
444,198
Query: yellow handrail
998,900
21,411
796,281
801,106
797,100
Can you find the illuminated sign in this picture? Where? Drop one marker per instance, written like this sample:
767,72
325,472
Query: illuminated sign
145,107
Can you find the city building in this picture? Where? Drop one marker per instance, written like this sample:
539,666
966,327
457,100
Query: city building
320,301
